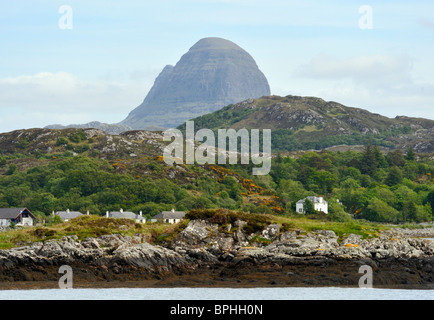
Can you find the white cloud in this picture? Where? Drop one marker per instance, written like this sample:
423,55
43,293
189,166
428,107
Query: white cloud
363,68
47,98
383,84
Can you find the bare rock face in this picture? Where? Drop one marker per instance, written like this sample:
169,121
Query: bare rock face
214,73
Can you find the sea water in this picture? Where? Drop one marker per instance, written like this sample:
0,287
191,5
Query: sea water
218,294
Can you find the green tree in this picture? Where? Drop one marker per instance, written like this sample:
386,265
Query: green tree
369,162
430,200
17,196
11,170
380,211
411,155
325,181
293,190
396,158
309,207
350,183
3,161
337,212
394,177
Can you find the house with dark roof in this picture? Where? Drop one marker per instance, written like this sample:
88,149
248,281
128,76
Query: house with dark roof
68,215
18,216
121,214
169,216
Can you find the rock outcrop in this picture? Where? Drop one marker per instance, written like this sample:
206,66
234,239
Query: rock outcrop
214,73
130,144
205,254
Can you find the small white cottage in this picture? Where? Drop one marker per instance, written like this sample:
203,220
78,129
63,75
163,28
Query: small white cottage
121,214
18,216
319,203
68,215
169,216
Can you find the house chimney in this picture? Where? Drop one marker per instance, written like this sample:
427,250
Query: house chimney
321,199
87,213
67,210
173,210
141,213
122,210
107,214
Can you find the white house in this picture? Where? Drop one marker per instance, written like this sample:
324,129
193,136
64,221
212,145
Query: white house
18,216
319,203
121,214
68,215
169,216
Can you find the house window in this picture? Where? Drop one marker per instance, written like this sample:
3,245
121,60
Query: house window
300,210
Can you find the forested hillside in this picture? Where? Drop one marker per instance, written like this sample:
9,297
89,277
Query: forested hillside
386,187
393,187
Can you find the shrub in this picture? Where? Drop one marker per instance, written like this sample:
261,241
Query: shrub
82,148
12,168
78,136
61,141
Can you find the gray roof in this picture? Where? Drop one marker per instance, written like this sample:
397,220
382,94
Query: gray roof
68,214
312,199
125,215
12,213
170,215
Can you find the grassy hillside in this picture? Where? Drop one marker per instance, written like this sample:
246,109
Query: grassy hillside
304,123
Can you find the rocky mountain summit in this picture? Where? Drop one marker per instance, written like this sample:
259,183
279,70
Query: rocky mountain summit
204,254
214,73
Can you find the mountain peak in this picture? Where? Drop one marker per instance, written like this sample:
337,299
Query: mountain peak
215,43
215,72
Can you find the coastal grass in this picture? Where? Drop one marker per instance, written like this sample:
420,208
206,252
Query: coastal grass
258,222
159,233
83,227
363,228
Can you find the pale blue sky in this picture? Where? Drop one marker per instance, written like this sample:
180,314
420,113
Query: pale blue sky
104,66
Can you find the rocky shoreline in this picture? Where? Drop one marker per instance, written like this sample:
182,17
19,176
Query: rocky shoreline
204,255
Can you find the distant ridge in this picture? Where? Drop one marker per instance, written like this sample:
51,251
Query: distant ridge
108,128
306,123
